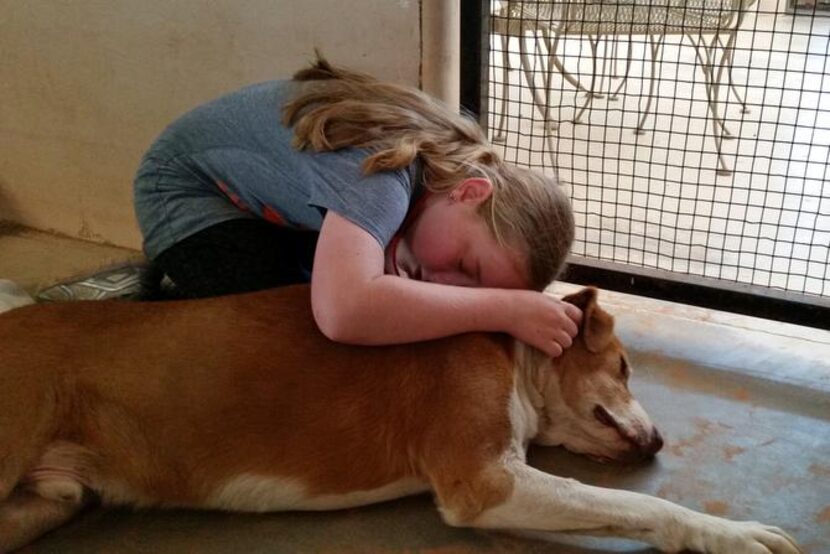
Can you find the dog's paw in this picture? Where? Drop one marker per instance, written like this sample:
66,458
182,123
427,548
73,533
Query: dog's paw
740,537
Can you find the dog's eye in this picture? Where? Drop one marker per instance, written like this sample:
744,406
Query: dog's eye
625,371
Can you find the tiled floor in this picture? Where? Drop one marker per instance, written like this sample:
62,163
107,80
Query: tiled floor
655,200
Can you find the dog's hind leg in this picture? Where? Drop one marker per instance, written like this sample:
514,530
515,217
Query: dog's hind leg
25,516
30,406
22,437
48,495
61,473
18,453
464,492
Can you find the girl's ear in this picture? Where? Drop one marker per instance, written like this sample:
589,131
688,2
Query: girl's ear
472,189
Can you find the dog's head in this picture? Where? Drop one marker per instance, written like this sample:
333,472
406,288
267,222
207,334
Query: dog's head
588,408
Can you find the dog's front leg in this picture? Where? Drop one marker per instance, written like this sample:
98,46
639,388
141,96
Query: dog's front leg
542,502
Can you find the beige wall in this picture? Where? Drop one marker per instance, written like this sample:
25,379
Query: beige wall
86,85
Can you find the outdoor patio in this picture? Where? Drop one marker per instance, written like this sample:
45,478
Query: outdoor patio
655,199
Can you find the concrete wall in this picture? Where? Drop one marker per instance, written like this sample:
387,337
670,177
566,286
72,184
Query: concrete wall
85,86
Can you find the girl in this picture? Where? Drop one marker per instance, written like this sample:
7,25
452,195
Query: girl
414,227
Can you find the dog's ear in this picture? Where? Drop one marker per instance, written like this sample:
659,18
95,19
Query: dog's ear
597,326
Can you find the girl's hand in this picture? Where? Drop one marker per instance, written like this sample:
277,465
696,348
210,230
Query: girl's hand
543,321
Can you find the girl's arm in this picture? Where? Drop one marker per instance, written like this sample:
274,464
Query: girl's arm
354,302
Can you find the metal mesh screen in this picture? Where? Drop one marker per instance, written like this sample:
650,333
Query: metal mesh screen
692,135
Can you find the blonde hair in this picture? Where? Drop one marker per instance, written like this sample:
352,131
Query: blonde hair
338,108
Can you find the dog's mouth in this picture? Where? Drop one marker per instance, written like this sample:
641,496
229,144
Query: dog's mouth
641,443
612,442
627,457
600,459
605,457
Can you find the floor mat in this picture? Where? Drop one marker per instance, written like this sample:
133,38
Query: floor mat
123,281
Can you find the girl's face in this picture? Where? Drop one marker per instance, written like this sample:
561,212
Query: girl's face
448,242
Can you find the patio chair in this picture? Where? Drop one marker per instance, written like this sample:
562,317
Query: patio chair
550,22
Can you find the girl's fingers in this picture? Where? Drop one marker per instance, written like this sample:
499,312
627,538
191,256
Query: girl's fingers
554,350
569,327
563,339
573,312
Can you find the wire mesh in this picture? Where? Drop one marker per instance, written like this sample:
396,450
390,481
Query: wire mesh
692,135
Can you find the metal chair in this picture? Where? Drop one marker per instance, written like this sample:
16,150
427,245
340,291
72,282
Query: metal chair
550,22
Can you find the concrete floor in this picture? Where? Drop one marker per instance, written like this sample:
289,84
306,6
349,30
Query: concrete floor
744,405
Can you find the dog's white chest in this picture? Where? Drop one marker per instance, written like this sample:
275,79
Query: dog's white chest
524,420
254,493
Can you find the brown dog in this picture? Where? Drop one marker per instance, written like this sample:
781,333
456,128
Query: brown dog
239,403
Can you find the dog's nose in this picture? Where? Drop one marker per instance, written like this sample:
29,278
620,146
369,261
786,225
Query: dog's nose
654,444
643,442
645,446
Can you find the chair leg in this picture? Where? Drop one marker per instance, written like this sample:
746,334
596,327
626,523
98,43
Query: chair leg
554,60
539,101
728,59
656,44
500,136
628,60
717,79
713,82
550,125
547,70
593,41
725,135
711,94
603,74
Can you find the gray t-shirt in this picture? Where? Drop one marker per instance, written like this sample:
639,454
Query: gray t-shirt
232,158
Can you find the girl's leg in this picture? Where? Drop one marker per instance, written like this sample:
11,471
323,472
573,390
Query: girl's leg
240,255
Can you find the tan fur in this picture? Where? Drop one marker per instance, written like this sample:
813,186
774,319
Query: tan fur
172,401
239,402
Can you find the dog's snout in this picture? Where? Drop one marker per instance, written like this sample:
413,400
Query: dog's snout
602,415
654,444
647,445
643,442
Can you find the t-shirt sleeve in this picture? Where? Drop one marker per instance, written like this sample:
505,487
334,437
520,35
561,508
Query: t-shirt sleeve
377,203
